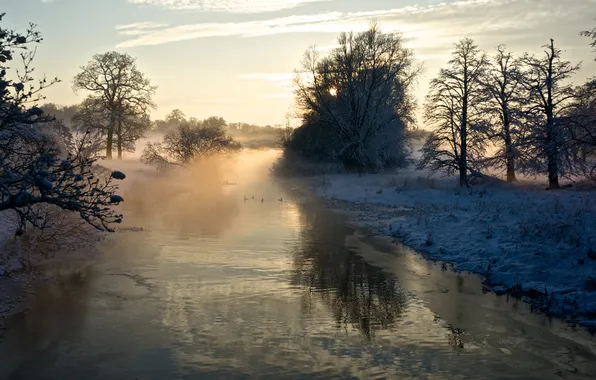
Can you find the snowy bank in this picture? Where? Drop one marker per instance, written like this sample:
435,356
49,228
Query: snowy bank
525,240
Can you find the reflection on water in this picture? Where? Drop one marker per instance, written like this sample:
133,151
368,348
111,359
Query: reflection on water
358,294
269,290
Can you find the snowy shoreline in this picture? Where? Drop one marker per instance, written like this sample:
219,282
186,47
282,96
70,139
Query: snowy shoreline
526,241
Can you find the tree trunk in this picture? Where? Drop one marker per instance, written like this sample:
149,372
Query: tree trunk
511,169
552,155
509,154
109,143
463,164
552,152
119,132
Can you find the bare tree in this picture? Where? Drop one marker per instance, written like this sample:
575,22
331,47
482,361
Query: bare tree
592,35
62,113
38,166
362,91
175,117
182,145
452,109
582,124
502,108
92,119
131,125
214,122
547,139
172,120
113,79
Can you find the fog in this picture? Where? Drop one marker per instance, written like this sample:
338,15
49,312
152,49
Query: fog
203,197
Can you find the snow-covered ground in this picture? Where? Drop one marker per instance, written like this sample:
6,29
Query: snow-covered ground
524,239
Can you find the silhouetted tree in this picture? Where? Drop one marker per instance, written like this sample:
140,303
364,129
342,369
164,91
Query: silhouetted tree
592,35
582,123
362,91
37,165
131,125
175,117
546,141
214,122
62,113
186,143
114,80
93,119
501,84
452,110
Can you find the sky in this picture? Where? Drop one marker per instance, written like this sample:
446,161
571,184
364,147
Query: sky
235,58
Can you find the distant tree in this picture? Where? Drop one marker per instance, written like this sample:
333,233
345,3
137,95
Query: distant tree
172,120
62,113
581,118
113,79
592,35
131,125
501,84
452,110
233,127
175,117
93,119
361,90
37,165
547,139
182,145
214,122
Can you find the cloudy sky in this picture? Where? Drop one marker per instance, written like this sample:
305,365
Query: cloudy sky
234,58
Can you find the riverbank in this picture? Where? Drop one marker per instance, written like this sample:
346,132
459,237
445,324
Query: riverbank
41,256
526,241
12,284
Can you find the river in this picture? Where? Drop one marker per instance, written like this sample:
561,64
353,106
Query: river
202,283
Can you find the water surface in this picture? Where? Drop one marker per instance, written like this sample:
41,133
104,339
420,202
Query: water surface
216,287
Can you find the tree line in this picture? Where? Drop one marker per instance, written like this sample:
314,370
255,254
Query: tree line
526,106
357,108
90,116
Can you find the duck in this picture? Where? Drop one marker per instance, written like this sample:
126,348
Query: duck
253,197
245,199
262,200
280,199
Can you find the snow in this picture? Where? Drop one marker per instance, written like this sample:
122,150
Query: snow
118,175
525,240
116,199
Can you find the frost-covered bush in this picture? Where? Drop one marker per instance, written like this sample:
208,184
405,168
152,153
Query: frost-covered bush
356,102
40,162
187,142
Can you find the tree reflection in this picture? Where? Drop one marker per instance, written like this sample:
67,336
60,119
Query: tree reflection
56,312
356,292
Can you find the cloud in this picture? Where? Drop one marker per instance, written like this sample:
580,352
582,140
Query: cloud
139,25
233,6
440,20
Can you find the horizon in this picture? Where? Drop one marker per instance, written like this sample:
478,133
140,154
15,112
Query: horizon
235,59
